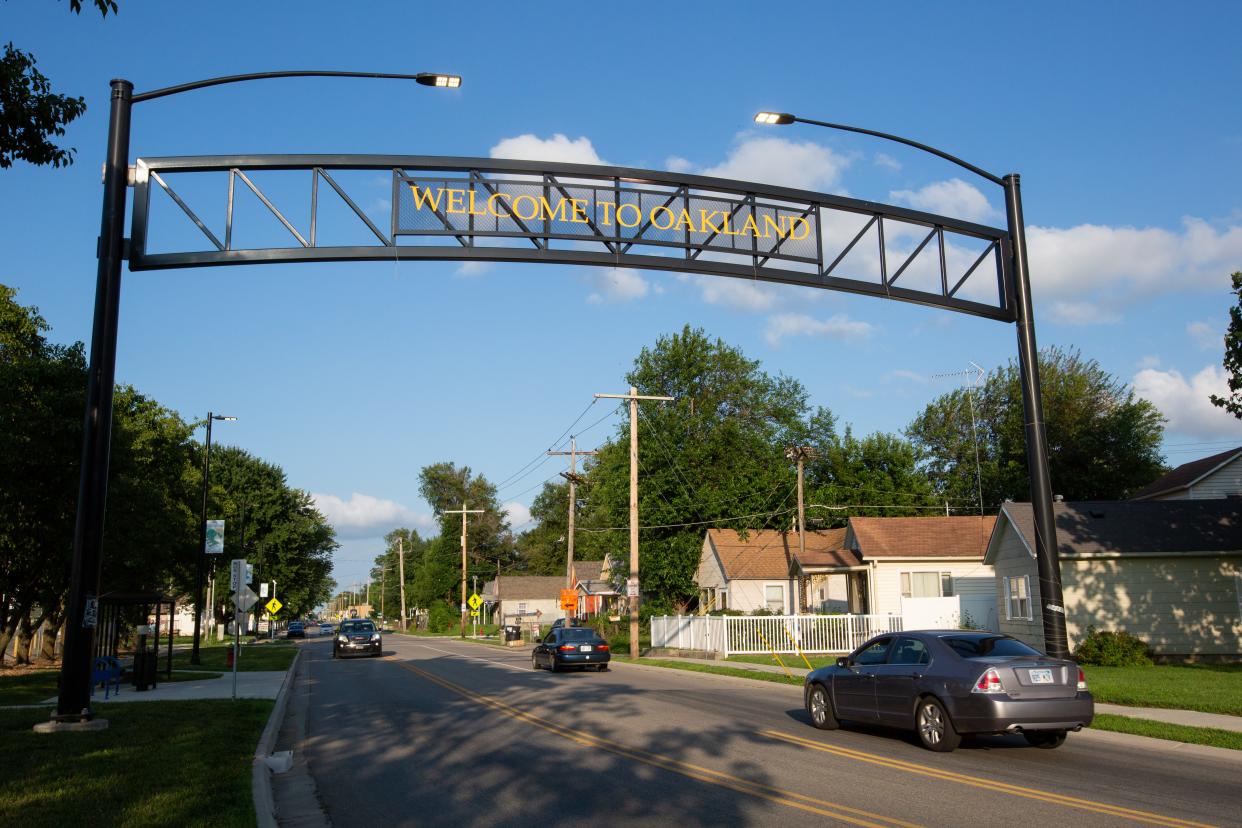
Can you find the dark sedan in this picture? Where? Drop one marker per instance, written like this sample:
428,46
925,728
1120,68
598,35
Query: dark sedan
296,630
571,647
946,683
357,637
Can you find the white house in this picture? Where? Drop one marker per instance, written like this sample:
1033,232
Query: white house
514,599
1209,478
1166,571
758,571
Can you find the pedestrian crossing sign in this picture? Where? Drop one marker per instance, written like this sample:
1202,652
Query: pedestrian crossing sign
273,606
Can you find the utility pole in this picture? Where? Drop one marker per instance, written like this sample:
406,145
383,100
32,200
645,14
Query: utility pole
383,589
632,585
463,511
574,479
800,454
401,575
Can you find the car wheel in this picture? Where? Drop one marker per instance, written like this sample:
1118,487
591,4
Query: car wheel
935,728
1046,739
553,667
534,662
819,707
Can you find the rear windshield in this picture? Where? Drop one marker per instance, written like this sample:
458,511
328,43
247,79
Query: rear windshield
357,626
976,646
577,634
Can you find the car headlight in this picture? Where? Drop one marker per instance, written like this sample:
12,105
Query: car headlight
342,639
375,636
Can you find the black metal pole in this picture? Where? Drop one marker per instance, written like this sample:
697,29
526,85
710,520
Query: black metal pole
202,546
74,700
1046,556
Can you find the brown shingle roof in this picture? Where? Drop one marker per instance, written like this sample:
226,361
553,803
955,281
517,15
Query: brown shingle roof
1185,474
835,557
900,537
767,553
526,587
1138,526
587,570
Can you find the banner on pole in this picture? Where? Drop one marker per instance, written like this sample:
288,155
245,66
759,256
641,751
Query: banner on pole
215,538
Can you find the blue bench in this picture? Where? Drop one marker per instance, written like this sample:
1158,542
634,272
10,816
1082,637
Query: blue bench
107,671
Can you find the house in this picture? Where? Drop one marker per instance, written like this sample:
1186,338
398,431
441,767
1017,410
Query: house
513,599
908,563
759,572
1167,571
1208,478
596,594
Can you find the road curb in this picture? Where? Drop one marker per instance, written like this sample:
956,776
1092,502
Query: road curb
260,771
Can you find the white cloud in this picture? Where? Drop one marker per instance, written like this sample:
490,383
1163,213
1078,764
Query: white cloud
953,198
364,516
675,163
886,161
910,376
529,147
741,294
838,326
1149,361
620,284
471,268
517,514
1186,403
1080,313
784,163
1205,336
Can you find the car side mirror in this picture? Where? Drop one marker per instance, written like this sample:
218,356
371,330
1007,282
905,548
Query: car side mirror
844,661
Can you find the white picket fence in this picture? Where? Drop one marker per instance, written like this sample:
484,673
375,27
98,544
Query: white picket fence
759,634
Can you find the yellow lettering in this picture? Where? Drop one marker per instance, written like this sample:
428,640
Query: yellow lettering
725,229
664,210
638,216
456,201
796,223
750,228
684,220
472,211
546,211
607,207
491,205
705,223
770,223
578,206
517,207
425,197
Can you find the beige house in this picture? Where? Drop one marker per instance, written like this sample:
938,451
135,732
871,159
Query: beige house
1167,571
514,599
1209,478
758,572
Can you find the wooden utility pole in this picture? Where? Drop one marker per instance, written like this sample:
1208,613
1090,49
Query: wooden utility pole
463,511
401,575
800,454
383,587
632,584
574,478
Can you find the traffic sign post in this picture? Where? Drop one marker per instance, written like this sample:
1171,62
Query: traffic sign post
474,602
243,599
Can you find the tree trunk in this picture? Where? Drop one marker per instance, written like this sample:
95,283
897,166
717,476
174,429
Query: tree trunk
10,629
21,652
55,621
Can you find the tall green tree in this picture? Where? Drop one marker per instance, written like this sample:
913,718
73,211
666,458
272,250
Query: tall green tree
489,543
30,111
386,573
543,548
1233,355
1103,441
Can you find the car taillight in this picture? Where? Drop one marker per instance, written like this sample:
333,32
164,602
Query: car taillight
1082,680
989,682
565,648
602,647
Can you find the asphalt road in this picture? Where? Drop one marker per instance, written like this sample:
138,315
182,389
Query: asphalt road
439,732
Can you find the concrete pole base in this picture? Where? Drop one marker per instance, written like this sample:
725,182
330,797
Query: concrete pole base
82,726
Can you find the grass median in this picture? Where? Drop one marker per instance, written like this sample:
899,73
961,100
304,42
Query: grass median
1210,736
694,667
1208,688
157,763
37,686
254,657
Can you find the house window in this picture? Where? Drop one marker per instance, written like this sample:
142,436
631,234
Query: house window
926,585
774,598
522,608
1018,597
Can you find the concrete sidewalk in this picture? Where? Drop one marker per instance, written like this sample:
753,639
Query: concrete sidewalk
1190,718
255,684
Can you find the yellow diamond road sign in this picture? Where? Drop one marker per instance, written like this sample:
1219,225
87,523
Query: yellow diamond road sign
273,606
474,601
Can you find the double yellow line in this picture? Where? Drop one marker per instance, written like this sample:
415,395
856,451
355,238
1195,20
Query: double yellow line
986,784
821,807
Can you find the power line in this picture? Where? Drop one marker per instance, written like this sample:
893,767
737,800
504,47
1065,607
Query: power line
555,443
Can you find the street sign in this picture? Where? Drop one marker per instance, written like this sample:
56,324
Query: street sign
631,588
569,599
475,602
474,613
273,606
237,573
245,598
463,606
215,537
263,589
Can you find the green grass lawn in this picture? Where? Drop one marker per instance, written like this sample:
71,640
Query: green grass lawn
1209,688
708,667
158,763
790,659
36,686
1210,736
271,656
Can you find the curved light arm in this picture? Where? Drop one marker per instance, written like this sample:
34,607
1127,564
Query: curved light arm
779,118
425,78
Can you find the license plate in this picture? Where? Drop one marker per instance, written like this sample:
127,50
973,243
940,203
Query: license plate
1041,677
585,648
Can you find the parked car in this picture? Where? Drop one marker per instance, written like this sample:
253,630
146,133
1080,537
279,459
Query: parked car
356,636
325,628
946,683
571,647
564,622
296,630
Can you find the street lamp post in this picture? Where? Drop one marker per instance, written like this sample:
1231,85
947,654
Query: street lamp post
202,539
73,702
1046,557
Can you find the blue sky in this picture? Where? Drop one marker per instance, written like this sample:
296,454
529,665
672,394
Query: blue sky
1122,119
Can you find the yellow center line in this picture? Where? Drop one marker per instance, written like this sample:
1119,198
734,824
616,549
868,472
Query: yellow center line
735,783
987,784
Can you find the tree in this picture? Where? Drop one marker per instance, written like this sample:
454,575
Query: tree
386,574
30,111
542,548
1233,355
446,487
1103,441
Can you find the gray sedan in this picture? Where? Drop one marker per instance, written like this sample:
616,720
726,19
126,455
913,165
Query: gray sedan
946,683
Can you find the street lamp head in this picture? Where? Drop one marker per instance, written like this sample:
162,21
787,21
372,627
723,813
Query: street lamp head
221,417
437,79
773,118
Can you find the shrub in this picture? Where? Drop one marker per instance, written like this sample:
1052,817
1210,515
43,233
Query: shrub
1106,648
442,618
